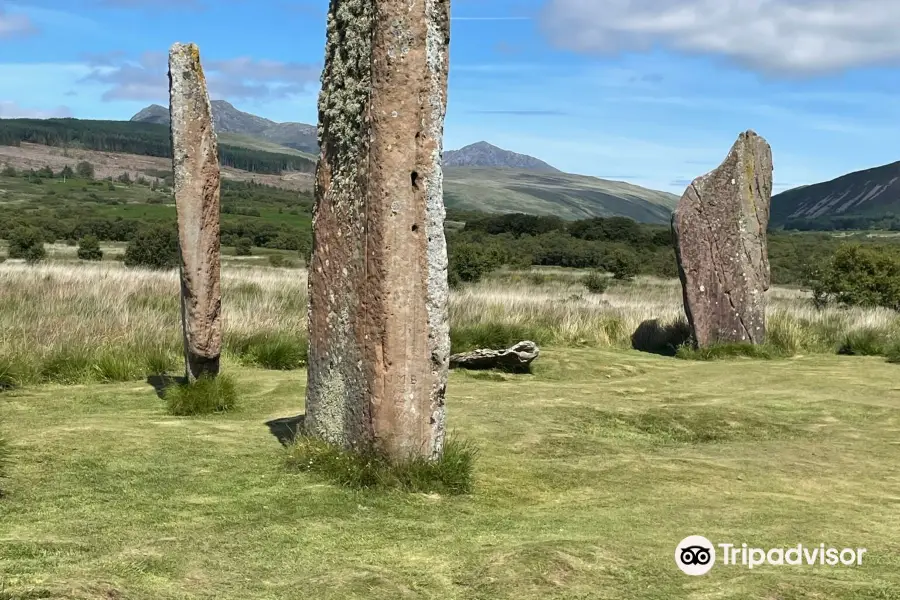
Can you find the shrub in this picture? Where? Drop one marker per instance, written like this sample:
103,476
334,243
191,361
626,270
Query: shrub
623,265
243,247
451,474
154,247
85,170
206,395
66,172
595,282
468,263
9,171
27,243
858,276
89,248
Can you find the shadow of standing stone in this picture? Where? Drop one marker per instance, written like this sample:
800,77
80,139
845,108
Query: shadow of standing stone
653,337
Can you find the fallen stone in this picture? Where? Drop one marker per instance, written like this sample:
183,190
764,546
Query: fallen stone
720,241
516,359
195,161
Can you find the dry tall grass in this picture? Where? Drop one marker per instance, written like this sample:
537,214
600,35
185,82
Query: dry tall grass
104,322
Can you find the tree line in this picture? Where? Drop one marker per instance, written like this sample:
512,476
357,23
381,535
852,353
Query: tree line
146,139
478,243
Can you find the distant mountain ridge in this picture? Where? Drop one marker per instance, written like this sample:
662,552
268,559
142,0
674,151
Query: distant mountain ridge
480,176
871,192
228,119
483,154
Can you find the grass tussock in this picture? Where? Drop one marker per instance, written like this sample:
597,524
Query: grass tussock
278,351
892,351
206,395
730,351
451,474
869,341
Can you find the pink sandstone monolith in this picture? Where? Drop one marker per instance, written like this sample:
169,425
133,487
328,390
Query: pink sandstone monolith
195,161
378,325
720,241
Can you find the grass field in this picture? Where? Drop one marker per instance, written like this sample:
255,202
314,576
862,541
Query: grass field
589,472
69,322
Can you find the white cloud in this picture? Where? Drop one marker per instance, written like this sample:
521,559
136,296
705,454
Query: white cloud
239,78
11,110
15,25
784,37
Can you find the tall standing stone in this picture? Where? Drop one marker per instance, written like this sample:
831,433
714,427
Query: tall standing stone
378,324
720,240
195,160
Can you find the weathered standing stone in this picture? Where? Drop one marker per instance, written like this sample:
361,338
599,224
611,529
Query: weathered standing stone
720,240
378,324
195,161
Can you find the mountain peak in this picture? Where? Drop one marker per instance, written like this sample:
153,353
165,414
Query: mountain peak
153,114
228,119
484,154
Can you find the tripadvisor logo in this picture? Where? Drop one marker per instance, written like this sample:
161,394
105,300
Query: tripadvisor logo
696,555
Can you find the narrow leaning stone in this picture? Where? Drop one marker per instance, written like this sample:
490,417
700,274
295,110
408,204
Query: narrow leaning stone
195,161
378,325
720,241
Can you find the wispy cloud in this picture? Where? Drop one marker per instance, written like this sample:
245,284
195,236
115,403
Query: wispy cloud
14,25
11,110
238,78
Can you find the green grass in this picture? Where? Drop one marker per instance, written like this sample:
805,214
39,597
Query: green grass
864,342
892,351
588,474
206,395
272,350
4,459
451,474
731,350
496,336
74,363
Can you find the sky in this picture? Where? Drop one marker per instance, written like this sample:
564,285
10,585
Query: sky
653,92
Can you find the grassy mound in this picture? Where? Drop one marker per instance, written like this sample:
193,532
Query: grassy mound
206,395
452,474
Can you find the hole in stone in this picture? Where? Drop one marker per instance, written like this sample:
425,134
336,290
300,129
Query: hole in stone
415,228
414,177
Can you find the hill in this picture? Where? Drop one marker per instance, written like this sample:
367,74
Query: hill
126,146
564,195
853,201
145,139
228,119
483,154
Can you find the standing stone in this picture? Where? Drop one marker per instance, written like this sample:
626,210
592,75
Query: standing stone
720,240
195,160
378,324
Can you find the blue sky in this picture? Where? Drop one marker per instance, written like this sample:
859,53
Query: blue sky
653,92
